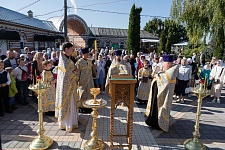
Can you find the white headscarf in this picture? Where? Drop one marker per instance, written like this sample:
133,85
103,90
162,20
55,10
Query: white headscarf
189,60
160,59
23,55
205,67
184,59
221,63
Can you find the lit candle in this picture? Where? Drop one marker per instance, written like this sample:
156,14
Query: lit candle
96,50
95,44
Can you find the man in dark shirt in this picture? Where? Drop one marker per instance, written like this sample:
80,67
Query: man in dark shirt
132,62
10,61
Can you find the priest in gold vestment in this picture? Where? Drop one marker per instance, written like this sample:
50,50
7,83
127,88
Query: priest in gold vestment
85,78
161,96
118,67
66,90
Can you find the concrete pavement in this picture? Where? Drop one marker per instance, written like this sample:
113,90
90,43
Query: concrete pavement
19,129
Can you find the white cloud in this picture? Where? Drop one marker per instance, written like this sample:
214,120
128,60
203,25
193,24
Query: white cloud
73,2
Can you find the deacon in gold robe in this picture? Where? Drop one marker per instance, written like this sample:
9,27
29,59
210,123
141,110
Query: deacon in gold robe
118,67
48,97
161,95
85,79
66,90
144,77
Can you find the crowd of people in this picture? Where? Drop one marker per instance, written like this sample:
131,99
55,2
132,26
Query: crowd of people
18,71
71,68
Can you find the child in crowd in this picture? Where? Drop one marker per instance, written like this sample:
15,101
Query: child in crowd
12,88
21,75
48,97
4,90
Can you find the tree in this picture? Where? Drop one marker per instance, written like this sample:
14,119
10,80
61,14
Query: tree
169,32
133,40
162,42
168,40
202,17
154,26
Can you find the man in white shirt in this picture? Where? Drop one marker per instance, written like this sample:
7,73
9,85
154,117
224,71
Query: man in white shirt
21,76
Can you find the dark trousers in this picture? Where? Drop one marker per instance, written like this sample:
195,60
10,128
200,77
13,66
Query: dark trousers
4,99
22,91
182,85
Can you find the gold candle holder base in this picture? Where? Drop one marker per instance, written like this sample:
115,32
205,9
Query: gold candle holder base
43,142
94,143
194,144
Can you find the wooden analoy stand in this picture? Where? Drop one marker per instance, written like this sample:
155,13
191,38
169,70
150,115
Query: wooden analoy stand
121,89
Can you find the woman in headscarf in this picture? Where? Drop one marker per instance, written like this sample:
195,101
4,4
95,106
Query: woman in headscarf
100,78
54,59
205,74
213,62
190,64
184,77
217,76
37,66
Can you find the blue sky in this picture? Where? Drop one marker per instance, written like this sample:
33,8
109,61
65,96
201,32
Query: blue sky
95,19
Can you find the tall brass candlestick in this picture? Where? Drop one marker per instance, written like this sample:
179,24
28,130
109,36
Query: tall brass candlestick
194,143
94,143
42,141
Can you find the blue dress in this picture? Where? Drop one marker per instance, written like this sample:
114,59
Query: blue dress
135,66
206,74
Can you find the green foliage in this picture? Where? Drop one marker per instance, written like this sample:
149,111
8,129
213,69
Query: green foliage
188,52
202,17
162,42
169,32
154,26
133,40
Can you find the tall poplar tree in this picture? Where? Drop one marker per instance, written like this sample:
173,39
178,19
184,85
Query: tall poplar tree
133,40
162,43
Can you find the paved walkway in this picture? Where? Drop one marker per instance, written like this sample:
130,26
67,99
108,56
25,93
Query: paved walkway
19,129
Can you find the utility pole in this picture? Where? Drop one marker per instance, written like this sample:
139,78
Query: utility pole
65,20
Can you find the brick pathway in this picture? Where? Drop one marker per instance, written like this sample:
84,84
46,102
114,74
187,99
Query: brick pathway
212,125
19,129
